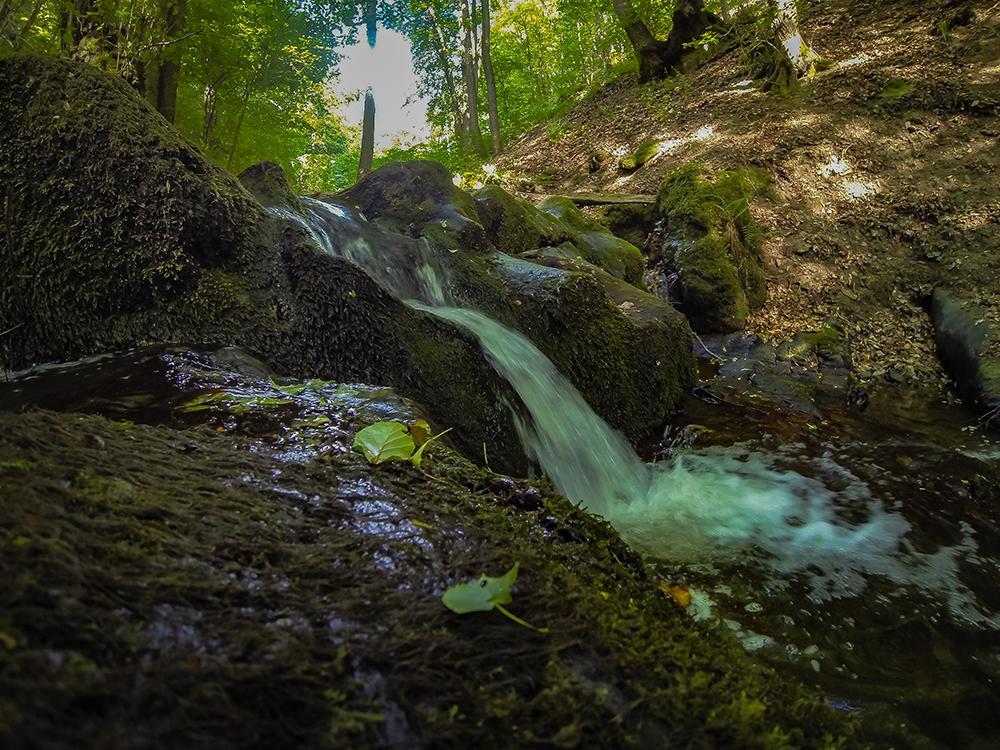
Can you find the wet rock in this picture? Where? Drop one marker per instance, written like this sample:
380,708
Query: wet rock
712,243
269,185
968,342
627,352
420,199
242,583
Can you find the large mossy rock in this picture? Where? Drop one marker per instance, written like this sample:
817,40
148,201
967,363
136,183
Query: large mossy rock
118,232
225,572
713,244
595,244
268,183
420,199
628,353
516,226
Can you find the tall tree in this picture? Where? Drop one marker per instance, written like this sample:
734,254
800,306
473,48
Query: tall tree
172,12
657,58
367,136
470,75
491,86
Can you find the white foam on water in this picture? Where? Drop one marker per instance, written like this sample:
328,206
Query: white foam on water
718,504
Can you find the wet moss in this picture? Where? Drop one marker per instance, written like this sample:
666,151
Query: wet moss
627,353
236,599
514,225
714,244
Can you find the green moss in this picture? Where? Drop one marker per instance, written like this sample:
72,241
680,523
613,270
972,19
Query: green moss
714,298
621,259
642,154
239,599
717,243
568,213
626,352
514,225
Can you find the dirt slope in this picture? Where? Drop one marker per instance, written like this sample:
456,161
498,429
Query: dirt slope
886,165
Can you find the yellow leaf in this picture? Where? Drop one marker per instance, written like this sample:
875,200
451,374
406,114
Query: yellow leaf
420,431
677,592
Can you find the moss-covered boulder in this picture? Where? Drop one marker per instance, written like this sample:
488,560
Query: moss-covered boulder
515,225
594,243
119,233
268,183
713,244
230,574
419,198
628,353
633,222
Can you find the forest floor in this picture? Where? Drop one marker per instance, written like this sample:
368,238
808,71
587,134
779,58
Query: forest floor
886,167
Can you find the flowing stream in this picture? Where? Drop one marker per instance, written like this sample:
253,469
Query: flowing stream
810,526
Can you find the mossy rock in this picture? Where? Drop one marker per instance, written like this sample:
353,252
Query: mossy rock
628,353
633,223
268,183
642,154
828,344
121,234
419,198
594,243
713,243
514,225
240,598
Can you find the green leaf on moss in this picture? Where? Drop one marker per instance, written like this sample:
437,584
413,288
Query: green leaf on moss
385,441
483,594
480,595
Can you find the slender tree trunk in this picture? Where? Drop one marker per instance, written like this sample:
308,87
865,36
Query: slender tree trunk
5,11
471,80
170,66
239,121
210,110
22,33
368,119
367,136
491,85
441,48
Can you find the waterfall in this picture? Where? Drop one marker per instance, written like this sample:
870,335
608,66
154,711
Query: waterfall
714,505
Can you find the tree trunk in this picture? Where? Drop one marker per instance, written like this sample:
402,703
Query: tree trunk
441,47
367,136
491,86
170,65
22,33
787,35
471,80
658,59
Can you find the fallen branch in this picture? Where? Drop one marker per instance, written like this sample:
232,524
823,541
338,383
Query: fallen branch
609,199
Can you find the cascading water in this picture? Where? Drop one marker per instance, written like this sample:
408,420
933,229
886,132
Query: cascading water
713,505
